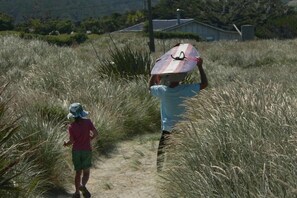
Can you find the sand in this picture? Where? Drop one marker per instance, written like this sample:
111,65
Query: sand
128,172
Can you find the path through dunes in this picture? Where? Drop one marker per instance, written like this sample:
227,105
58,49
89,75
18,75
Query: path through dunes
129,172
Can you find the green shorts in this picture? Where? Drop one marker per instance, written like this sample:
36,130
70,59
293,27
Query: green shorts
82,160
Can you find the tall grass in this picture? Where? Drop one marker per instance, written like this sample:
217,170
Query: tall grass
126,63
240,142
46,79
45,124
17,175
239,139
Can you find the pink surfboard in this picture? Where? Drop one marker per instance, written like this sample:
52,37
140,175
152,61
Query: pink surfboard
179,59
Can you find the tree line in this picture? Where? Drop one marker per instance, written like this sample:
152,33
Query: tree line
45,25
272,19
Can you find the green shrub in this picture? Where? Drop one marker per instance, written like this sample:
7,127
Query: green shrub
60,40
284,27
79,37
6,22
176,35
126,62
24,35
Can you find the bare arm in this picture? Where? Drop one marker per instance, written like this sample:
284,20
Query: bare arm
154,80
94,134
69,142
204,81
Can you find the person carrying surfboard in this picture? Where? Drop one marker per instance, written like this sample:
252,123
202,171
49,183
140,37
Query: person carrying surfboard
81,132
172,95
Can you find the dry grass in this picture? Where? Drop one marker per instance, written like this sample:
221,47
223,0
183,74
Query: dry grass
242,126
240,137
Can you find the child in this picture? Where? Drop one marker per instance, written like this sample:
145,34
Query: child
81,132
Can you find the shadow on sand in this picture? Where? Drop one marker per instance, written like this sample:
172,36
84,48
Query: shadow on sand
57,193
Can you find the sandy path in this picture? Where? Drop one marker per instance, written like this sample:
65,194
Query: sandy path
129,172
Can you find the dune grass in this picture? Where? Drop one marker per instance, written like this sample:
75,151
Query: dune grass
239,139
45,79
248,110
17,162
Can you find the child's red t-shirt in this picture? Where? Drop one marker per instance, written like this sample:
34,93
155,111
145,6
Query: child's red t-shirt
80,132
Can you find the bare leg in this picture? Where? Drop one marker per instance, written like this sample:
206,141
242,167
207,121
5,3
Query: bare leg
85,179
77,180
86,176
161,149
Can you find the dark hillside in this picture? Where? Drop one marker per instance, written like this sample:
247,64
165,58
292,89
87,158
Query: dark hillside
75,10
271,19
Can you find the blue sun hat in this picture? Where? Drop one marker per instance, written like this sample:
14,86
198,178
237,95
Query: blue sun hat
76,111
